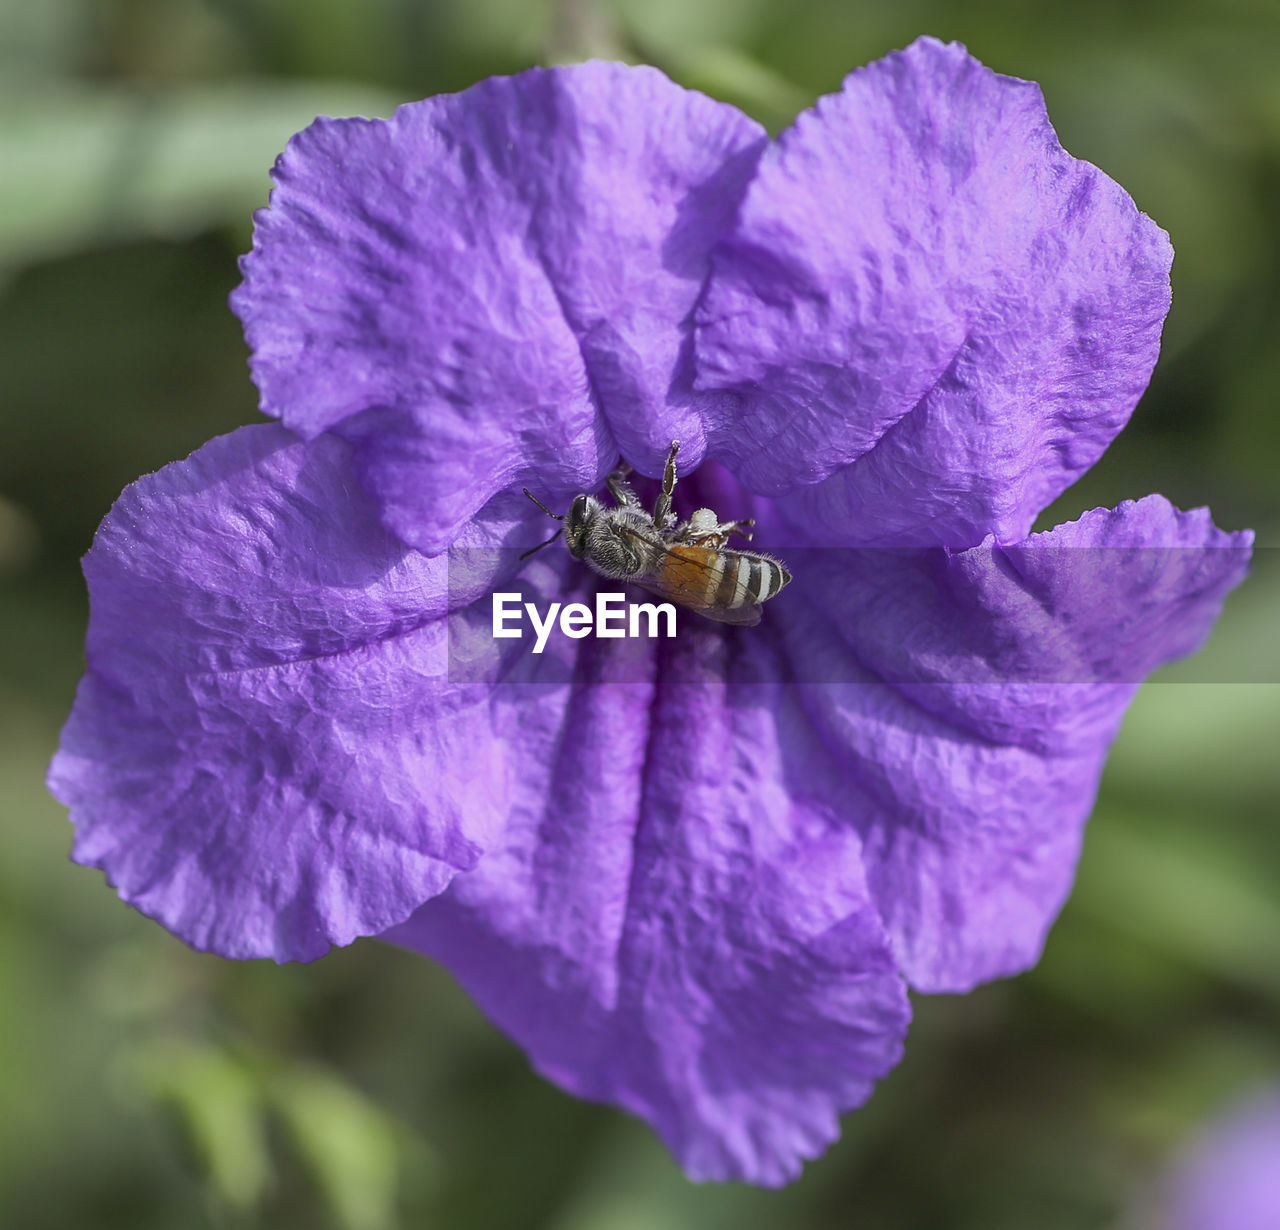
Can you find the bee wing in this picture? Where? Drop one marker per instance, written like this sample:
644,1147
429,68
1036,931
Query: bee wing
743,616
691,598
666,585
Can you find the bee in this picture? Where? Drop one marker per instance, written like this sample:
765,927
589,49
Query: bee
687,562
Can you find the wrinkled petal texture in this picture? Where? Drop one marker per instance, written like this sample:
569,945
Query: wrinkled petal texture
695,877
972,698
930,305
677,918
704,875
264,754
494,287
670,927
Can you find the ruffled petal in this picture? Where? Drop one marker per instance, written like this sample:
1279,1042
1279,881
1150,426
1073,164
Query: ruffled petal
969,702
265,754
494,287
672,923
934,317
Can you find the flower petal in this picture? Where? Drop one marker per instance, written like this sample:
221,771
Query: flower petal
971,702
670,925
928,308
1227,1179
265,754
494,285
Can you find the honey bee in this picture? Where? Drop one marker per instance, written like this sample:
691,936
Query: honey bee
684,561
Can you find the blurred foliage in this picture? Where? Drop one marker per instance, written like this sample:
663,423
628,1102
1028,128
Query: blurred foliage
145,1085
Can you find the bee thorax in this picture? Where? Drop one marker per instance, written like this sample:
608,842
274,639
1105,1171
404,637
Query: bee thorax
622,545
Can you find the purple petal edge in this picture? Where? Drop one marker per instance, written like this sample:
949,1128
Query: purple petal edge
494,287
666,928
264,754
934,318
973,742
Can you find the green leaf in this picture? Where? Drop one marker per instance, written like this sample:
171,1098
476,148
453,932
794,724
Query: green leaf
1191,897
86,166
732,75
350,1146
219,1104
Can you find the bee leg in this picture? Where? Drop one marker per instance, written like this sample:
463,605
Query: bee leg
729,528
662,509
621,490
704,528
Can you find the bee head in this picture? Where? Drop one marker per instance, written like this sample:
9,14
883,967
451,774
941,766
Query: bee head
577,521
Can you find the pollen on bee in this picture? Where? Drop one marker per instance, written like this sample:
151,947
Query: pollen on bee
613,616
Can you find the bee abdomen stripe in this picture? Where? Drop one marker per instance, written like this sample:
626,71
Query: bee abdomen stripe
770,579
742,578
728,582
715,580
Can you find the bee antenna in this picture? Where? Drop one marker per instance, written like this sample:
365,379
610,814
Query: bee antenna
545,509
535,550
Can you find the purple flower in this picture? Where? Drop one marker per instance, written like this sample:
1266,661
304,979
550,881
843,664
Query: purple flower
693,878
1230,1178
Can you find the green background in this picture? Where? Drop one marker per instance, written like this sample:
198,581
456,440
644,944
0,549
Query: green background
143,1085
